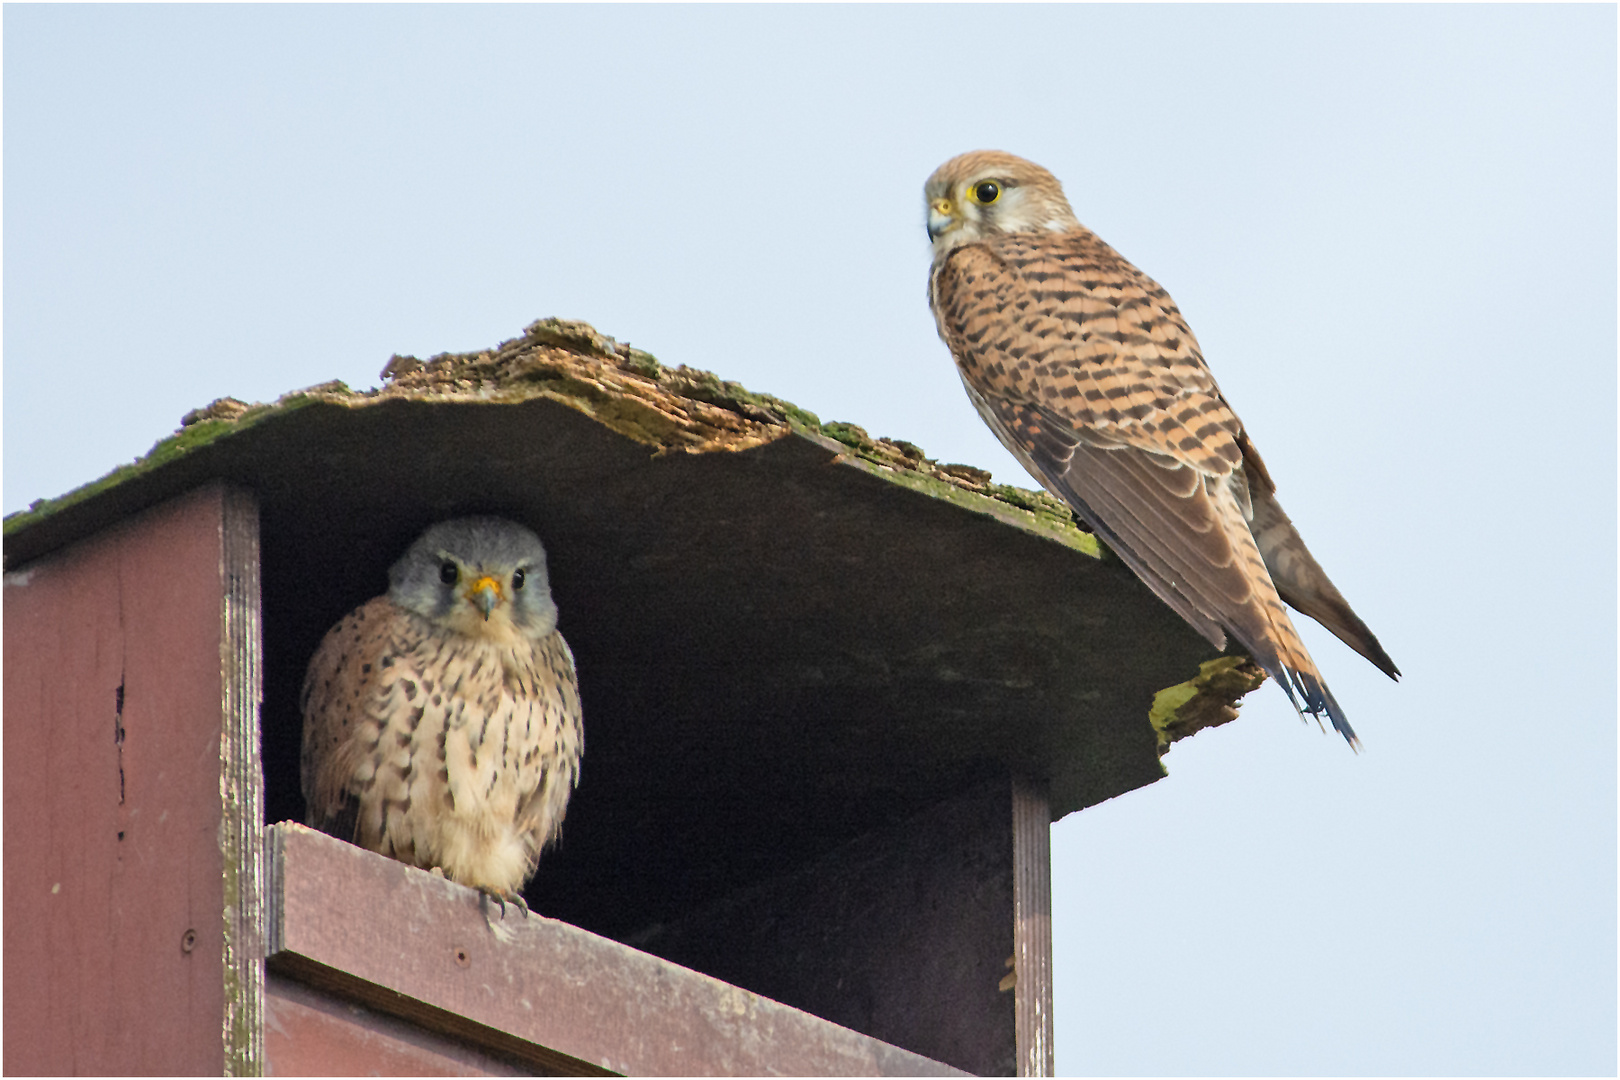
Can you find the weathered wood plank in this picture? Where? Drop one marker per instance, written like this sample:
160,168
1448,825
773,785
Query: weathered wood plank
312,1033
241,784
402,941
1032,945
113,871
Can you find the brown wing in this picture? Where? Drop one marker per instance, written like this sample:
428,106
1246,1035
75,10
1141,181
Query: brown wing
559,742
1049,447
1086,371
339,688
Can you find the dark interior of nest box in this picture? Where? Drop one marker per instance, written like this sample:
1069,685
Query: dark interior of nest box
778,653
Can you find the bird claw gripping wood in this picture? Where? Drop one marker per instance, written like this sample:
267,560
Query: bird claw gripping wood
503,898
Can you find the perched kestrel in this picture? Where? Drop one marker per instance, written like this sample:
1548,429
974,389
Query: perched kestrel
441,719
1084,369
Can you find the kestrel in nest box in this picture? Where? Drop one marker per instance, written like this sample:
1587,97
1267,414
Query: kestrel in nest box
442,719
1083,367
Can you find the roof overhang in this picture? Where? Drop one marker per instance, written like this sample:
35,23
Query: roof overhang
784,638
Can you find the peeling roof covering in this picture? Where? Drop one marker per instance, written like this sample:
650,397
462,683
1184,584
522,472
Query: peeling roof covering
836,626
675,410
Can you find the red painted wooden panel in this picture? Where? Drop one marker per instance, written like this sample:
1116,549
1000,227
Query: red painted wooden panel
113,890
309,1033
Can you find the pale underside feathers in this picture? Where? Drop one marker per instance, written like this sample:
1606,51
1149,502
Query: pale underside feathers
442,723
1084,368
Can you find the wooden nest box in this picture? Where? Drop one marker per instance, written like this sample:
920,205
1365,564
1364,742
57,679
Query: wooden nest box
834,695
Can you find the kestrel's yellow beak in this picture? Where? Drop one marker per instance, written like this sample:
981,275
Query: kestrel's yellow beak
485,593
941,218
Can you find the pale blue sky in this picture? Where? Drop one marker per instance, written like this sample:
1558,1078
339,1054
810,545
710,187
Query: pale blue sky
1393,229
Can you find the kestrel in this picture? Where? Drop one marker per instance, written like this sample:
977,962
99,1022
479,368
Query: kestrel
1083,367
442,719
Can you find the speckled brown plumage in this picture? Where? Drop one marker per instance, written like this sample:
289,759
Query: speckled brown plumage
1086,371
439,735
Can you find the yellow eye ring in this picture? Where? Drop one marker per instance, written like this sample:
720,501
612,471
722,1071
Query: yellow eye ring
986,192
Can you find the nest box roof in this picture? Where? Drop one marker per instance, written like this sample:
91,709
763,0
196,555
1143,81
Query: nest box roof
787,631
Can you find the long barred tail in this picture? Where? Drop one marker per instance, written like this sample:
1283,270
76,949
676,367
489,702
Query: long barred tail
1294,670
1271,637
1310,697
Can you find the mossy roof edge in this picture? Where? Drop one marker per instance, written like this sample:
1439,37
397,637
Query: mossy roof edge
672,410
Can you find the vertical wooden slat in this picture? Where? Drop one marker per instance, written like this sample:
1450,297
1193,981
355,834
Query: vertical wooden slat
113,831
1032,934
241,785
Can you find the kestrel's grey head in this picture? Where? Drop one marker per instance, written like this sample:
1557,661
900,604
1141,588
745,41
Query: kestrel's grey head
442,722
484,577
985,192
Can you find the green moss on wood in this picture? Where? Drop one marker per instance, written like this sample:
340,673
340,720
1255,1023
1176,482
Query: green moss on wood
1208,699
851,435
187,440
